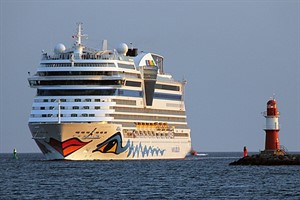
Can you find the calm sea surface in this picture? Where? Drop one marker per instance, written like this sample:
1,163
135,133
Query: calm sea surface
31,177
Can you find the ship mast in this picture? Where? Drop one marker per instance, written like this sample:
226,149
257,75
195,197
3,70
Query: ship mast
78,46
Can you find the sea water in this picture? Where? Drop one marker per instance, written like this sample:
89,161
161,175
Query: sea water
210,177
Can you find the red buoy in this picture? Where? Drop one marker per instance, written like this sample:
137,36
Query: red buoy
245,151
272,126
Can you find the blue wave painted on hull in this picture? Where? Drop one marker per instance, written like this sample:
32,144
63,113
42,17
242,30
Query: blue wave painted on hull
114,145
135,150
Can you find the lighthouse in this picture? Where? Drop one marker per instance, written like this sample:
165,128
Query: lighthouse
272,144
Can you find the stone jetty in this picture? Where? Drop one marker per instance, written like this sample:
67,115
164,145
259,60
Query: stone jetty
269,159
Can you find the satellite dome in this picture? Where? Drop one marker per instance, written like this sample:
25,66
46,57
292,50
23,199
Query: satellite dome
59,48
122,49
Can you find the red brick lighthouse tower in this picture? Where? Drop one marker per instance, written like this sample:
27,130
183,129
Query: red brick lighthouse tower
272,144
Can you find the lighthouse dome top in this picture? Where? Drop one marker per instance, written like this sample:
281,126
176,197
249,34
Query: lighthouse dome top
271,103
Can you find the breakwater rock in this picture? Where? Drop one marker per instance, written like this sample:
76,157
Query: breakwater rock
262,159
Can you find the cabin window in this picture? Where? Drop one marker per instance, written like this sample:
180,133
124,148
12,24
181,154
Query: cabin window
167,87
133,83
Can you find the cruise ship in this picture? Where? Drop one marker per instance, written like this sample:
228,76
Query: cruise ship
106,104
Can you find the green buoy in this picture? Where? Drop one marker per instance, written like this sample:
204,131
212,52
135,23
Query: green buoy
15,154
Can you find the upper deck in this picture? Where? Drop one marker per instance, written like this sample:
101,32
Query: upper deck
79,84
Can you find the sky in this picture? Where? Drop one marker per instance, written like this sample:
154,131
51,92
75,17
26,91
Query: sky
234,55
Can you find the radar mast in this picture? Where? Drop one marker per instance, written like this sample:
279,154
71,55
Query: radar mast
78,37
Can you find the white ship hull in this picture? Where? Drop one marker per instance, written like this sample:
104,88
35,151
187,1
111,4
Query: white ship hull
84,141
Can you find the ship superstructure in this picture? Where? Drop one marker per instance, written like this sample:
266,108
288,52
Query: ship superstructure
107,104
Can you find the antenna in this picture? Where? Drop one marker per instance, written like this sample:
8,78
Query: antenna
79,34
272,97
78,47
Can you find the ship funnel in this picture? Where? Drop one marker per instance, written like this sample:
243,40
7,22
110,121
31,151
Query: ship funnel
104,45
